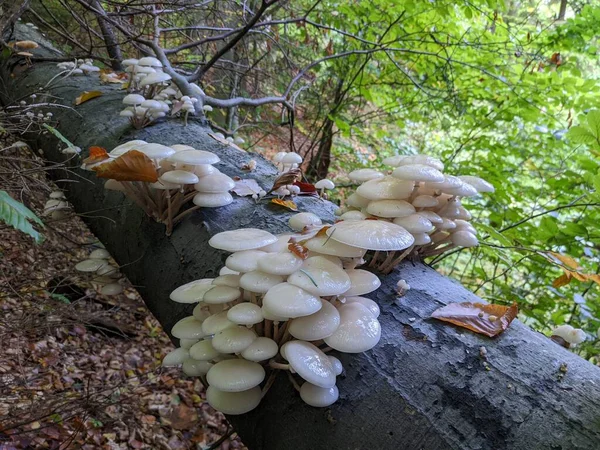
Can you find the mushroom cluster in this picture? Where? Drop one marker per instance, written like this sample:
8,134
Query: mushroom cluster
418,198
104,275
566,335
22,48
281,303
56,206
79,67
141,111
146,75
179,174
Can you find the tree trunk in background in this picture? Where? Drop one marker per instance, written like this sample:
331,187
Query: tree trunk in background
108,34
318,166
426,386
10,11
563,10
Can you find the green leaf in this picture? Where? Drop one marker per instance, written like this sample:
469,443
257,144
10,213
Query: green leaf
593,120
17,215
60,298
504,240
58,134
580,135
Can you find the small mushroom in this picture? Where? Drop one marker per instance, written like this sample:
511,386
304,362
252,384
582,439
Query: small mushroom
322,185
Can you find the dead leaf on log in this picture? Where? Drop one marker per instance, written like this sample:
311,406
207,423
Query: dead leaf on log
97,154
286,204
131,166
306,188
487,319
244,188
298,249
87,95
289,177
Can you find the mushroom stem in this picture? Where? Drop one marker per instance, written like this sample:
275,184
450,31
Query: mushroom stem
276,331
387,260
437,251
269,383
268,328
326,349
279,366
185,213
293,381
396,261
374,259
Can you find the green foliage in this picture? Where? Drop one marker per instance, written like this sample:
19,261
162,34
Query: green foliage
19,216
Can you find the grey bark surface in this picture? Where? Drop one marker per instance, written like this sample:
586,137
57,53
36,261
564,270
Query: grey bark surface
424,386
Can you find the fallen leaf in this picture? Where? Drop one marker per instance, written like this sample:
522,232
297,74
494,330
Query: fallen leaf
87,95
131,166
289,177
97,154
306,188
247,187
486,319
182,417
285,203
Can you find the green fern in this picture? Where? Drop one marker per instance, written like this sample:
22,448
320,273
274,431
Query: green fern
17,215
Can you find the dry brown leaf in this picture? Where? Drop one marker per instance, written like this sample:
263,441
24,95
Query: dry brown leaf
561,281
131,166
481,318
182,417
289,177
286,204
565,259
244,188
97,154
87,95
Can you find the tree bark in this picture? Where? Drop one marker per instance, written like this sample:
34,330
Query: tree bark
563,10
10,11
108,34
427,385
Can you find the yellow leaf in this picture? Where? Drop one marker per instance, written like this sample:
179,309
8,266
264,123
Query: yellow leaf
594,277
87,95
565,259
286,204
578,276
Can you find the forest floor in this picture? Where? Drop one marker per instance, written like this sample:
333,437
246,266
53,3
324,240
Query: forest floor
79,370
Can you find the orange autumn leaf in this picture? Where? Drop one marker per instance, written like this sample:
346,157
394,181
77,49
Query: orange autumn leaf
561,281
565,259
87,95
131,166
299,250
97,154
323,232
285,203
487,319
595,278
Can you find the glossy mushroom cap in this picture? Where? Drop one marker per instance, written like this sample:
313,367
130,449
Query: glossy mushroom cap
321,277
310,363
317,396
317,326
192,292
235,375
371,235
233,403
242,239
298,221
358,332
289,301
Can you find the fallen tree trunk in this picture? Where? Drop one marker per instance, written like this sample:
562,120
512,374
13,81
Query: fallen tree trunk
427,385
